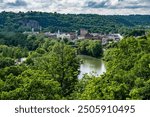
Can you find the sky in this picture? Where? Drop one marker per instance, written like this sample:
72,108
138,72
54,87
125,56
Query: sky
102,7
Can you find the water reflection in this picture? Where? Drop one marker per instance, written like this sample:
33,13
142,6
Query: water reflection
92,66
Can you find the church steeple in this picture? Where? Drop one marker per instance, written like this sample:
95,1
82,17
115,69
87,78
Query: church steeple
58,32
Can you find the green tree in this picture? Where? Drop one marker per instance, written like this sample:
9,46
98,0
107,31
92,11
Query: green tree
31,84
6,62
62,64
90,47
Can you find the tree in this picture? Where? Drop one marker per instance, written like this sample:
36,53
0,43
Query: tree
90,47
6,62
62,64
31,84
95,48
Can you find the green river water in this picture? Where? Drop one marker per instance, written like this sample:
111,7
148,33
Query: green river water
92,66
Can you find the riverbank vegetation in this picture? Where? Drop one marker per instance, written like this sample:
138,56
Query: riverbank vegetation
127,76
90,47
51,69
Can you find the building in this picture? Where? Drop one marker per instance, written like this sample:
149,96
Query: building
105,41
63,36
89,36
83,32
115,37
73,35
50,35
30,33
83,35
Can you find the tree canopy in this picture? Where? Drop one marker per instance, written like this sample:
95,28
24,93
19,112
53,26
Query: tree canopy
21,22
127,76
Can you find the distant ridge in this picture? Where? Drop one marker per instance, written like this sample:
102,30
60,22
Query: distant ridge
20,22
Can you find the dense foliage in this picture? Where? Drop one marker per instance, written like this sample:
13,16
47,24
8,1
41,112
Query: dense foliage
8,55
30,42
10,21
90,47
127,76
50,72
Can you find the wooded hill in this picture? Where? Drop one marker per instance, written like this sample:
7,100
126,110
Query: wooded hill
20,22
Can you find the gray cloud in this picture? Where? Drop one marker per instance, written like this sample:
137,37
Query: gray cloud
17,3
92,4
136,4
78,6
119,4
137,7
103,3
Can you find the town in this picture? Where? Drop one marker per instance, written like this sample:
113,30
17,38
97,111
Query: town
79,35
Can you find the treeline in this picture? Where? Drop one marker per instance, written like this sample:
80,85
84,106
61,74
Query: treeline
30,42
13,52
20,22
90,47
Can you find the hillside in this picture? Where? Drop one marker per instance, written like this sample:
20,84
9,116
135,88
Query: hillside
21,22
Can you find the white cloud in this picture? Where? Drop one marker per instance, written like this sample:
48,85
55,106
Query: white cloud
6,1
79,6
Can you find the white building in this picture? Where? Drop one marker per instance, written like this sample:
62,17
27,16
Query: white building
115,37
63,36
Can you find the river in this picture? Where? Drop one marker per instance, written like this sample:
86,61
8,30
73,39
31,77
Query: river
91,65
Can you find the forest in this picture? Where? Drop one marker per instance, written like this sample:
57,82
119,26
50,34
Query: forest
40,21
51,69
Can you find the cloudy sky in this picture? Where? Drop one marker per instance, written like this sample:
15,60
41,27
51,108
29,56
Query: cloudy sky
105,7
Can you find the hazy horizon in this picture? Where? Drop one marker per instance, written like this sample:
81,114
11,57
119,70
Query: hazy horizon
76,13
